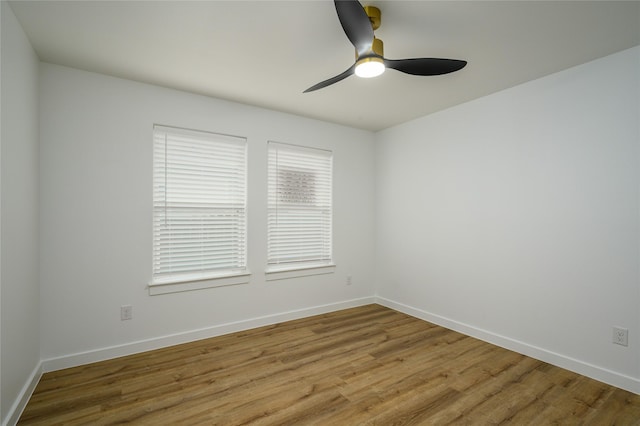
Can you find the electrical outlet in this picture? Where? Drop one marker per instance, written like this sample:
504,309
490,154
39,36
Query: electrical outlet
126,312
620,336
348,279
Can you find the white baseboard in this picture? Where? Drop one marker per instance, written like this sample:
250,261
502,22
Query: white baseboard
15,411
101,354
613,378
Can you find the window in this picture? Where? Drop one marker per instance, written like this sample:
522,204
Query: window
199,206
299,207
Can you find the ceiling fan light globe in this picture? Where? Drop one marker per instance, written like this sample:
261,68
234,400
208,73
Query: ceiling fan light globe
369,67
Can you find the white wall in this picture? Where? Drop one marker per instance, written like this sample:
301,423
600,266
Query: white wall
20,347
96,160
515,217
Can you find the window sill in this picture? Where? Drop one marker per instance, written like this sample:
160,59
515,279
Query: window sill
282,273
187,284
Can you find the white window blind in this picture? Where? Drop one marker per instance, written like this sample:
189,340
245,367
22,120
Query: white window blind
199,205
299,206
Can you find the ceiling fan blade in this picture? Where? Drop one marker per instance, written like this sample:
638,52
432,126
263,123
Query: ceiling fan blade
356,24
425,66
332,80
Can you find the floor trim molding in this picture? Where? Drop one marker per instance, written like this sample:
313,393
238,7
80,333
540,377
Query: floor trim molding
609,377
15,411
52,364
102,354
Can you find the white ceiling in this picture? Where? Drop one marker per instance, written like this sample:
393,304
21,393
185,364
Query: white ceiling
266,53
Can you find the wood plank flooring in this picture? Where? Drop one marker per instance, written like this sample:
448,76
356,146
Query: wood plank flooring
363,366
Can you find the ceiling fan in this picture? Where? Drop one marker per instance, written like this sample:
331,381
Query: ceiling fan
359,23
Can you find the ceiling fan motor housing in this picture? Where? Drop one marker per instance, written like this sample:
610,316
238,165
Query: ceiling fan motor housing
377,49
376,54
374,16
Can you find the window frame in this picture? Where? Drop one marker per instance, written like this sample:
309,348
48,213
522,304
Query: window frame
283,269
199,278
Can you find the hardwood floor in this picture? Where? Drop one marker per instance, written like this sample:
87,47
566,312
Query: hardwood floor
363,366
